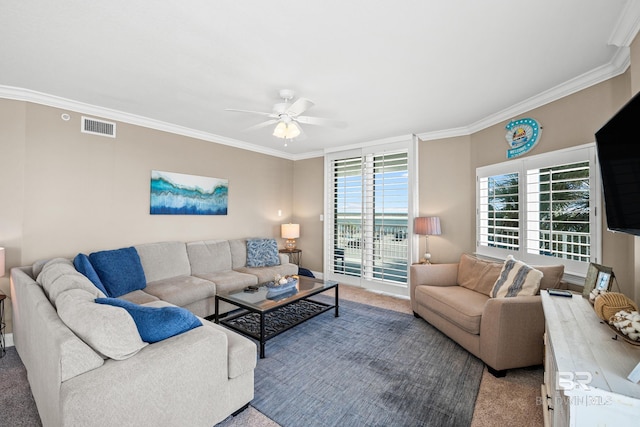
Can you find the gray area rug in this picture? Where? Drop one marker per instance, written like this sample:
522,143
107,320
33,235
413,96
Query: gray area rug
368,367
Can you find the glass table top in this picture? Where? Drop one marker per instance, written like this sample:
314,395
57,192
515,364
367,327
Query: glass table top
262,300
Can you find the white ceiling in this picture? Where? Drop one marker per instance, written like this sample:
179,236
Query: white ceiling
387,68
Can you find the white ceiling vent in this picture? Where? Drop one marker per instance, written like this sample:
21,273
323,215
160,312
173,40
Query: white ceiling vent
98,127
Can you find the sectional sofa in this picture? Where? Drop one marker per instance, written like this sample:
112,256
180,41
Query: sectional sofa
144,357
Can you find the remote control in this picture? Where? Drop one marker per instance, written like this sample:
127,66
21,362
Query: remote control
560,293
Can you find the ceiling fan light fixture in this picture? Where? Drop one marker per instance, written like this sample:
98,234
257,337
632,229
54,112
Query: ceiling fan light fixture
280,130
292,130
286,130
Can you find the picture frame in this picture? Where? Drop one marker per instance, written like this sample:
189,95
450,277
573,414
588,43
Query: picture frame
599,277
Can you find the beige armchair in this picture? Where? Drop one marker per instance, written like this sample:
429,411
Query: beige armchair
504,333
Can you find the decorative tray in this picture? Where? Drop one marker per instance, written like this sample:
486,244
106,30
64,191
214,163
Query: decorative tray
621,335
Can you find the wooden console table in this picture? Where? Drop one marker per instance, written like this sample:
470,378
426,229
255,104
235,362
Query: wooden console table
585,372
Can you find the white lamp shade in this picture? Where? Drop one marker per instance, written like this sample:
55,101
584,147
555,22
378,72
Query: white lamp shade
427,226
290,231
1,262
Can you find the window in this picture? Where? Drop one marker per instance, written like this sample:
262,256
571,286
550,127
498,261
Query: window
368,227
542,209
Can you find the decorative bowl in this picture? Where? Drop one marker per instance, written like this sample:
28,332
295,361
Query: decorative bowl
274,288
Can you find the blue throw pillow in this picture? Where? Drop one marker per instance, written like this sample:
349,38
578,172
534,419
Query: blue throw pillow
83,265
156,323
119,270
262,253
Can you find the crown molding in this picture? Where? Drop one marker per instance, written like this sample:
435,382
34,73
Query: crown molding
27,95
618,65
360,145
444,134
628,24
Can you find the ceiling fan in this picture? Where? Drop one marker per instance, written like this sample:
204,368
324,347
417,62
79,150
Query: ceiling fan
286,116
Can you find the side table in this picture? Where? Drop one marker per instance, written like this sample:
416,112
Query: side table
2,325
295,254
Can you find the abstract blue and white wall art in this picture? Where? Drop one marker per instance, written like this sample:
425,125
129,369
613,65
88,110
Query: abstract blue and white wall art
180,194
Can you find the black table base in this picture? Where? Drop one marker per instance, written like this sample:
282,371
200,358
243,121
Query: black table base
275,322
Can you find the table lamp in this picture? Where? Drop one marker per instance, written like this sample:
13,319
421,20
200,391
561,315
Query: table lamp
427,226
290,232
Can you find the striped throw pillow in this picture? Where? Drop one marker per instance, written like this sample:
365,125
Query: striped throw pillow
516,279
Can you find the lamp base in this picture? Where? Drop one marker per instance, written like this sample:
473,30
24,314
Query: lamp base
290,244
427,258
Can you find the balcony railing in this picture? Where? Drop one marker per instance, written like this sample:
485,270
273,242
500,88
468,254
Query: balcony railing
388,253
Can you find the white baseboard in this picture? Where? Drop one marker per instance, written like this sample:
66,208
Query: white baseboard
8,340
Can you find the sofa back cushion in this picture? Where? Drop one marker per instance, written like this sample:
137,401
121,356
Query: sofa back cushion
120,270
164,260
59,275
238,253
551,276
110,331
477,274
209,256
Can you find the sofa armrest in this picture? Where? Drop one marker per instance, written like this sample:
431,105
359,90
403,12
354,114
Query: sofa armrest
432,275
284,258
511,332
178,381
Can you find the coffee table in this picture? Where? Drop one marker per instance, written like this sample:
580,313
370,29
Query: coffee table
263,316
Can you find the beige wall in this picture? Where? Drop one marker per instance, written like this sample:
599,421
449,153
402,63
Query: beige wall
568,122
308,205
445,190
65,192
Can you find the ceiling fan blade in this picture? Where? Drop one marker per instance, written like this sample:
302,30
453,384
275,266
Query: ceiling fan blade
261,125
302,135
260,113
299,107
319,121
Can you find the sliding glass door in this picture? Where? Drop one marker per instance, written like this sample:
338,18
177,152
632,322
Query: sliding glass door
368,221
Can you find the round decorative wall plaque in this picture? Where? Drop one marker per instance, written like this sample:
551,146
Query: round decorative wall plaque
522,135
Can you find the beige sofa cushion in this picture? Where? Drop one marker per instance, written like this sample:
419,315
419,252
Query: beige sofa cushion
551,276
209,256
59,275
163,260
109,330
228,281
477,274
460,306
182,290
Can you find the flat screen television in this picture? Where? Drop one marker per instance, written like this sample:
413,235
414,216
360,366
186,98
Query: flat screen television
618,146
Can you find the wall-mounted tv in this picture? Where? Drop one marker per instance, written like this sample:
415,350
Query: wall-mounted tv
618,145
